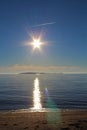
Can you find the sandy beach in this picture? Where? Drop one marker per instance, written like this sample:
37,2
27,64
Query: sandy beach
58,120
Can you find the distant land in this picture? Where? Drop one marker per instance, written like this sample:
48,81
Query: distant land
40,73
33,73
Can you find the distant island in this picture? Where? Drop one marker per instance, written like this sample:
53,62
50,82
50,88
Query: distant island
33,73
40,73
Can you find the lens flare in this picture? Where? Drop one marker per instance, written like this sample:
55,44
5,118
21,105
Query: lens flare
36,95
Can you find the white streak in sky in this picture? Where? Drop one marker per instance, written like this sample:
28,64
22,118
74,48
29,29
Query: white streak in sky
44,24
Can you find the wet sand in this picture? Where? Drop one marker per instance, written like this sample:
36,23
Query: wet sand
58,120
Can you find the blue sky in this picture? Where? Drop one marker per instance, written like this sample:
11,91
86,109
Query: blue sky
67,37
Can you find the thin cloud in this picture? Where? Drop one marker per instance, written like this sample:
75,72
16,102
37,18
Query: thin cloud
44,24
23,68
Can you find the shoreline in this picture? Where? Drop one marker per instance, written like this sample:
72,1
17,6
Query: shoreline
63,119
42,110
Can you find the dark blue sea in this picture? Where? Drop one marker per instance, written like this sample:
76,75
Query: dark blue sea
56,91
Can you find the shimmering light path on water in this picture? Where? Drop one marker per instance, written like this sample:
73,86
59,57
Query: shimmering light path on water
37,96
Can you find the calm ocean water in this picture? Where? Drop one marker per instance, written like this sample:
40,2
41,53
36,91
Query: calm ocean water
56,90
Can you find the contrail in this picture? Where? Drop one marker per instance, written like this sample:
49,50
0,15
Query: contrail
44,24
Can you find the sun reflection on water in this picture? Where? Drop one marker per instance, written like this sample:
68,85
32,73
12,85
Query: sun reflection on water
36,96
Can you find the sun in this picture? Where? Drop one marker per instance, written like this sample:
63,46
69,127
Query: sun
36,43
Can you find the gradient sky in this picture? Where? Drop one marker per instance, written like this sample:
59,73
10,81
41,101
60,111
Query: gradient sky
67,46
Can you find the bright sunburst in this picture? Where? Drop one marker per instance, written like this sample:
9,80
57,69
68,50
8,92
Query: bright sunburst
36,43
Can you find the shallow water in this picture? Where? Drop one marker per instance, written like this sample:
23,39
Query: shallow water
56,91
